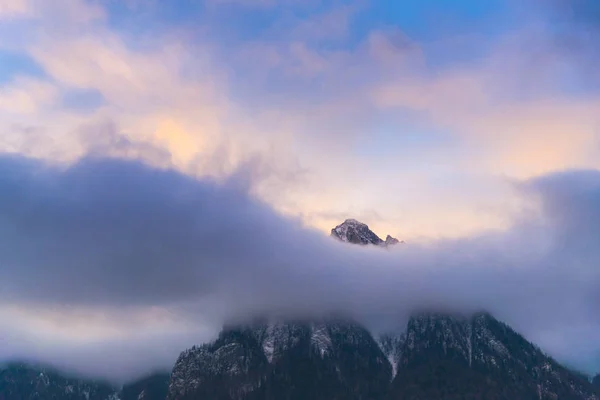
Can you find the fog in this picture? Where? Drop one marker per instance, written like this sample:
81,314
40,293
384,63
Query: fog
109,268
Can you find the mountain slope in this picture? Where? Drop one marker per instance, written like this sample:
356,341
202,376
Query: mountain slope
285,360
450,357
20,381
438,357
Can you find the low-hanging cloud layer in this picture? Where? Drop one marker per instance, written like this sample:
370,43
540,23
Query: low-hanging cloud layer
111,267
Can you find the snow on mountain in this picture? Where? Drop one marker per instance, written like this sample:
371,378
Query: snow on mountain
332,360
320,339
480,354
353,231
438,356
276,338
391,346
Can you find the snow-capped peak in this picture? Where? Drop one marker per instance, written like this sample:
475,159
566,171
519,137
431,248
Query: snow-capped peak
353,231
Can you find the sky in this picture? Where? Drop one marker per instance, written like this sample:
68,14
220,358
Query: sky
170,165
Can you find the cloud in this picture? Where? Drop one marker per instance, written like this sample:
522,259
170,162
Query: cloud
215,95
68,338
26,96
518,107
422,136
261,4
127,247
13,8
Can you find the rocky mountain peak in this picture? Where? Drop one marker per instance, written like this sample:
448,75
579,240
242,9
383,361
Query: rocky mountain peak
389,240
356,232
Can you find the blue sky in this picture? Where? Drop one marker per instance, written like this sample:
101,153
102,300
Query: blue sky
15,63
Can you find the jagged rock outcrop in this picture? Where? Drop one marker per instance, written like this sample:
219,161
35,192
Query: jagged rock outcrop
353,231
20,381
390,241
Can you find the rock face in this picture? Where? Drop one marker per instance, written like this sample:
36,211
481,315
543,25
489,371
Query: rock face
448,357
24,382
353,231
390,241
284,360
438,357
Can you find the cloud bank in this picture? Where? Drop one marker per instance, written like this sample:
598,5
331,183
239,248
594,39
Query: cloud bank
111,267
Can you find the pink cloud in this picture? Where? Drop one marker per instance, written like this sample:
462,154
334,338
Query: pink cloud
14,8
309,108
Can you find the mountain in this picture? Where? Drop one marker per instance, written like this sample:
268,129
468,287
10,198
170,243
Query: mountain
389,241
353,231
437,357
19,381
284,360
596,381
451,357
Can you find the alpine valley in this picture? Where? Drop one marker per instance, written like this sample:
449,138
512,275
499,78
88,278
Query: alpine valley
437,356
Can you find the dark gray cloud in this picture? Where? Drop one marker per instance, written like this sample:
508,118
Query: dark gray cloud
118,236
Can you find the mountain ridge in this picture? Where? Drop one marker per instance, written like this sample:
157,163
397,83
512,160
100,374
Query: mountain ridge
478,355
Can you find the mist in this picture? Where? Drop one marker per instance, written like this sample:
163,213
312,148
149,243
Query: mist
109,268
